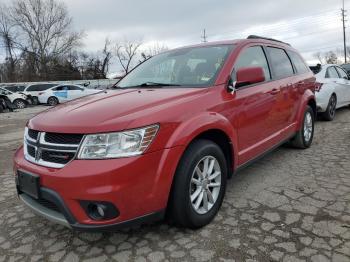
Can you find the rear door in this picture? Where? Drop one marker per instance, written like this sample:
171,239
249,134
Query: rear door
333,78
283,74
74,92
345,87
61,92
257,105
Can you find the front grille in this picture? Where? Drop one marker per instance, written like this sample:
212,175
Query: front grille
56,138
51,149
48,204
57,157
31,151
33,134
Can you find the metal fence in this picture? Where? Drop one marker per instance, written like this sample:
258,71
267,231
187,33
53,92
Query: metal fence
97,83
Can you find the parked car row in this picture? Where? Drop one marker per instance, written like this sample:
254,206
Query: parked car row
20,96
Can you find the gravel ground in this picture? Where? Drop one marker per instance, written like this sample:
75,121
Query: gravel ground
292,205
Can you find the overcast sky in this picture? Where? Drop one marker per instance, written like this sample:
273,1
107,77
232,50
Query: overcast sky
310,26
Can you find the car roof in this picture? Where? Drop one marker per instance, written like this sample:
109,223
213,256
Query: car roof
242,42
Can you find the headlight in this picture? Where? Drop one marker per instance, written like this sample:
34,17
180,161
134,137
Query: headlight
119,144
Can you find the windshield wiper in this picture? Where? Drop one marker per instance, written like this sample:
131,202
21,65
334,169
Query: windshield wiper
149,84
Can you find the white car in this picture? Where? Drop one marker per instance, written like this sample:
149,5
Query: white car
64,93
33,90
333,91
19,100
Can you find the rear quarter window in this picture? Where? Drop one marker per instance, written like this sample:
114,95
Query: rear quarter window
280,63
298,62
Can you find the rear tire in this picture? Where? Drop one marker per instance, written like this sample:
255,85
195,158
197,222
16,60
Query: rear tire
303,138
52,101
331,108
199,185
20,103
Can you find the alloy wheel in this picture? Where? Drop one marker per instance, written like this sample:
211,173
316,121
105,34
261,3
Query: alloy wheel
20,104
332,106
308,127
205,184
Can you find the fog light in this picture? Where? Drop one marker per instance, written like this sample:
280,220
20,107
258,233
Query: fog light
99,210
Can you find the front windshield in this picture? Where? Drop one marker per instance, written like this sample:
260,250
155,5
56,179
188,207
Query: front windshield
193,66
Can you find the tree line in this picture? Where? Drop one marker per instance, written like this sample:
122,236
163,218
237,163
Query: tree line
40,44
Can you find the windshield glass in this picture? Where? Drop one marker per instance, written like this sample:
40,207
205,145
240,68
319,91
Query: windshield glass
194,66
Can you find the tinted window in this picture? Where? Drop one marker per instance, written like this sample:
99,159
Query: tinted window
342,73
252,57
298,63
332,73
281,64
41,87
74,88
61,88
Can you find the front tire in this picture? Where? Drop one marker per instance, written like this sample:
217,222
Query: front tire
199,185
52,101
331,108
303,138
19,103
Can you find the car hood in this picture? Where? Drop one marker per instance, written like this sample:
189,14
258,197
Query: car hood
112,110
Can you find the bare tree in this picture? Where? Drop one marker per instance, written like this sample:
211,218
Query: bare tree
126,53
156,49
107,56
46,27
318,55
7,38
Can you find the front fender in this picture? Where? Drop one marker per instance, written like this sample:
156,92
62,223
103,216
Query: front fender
188,130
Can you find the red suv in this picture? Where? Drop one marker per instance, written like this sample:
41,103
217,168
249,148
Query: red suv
166,139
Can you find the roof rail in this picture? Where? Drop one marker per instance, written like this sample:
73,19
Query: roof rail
266,38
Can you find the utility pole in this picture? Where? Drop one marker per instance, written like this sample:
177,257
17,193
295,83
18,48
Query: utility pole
204,37
343,13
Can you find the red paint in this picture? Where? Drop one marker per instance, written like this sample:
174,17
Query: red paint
254,118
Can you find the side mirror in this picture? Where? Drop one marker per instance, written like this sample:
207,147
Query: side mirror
249,76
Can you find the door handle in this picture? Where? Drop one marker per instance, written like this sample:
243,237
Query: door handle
274,91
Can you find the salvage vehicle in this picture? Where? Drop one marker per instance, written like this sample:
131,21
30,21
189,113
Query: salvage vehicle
63,93
14,88
164,142
19,100
333,92
5,104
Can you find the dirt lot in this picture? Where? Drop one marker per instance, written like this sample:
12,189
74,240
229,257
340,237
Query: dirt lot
292,205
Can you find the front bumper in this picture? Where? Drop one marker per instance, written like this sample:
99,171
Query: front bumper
138,186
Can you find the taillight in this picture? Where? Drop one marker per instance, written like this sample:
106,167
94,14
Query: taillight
318,86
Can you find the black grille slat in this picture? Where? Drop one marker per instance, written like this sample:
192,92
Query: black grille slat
31,151
33,134
57,138
48,204
57,157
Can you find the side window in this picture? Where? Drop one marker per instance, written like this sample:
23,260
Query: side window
298,62
250,57
74,88
32,88
281,64
61,88
332,73
342,73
